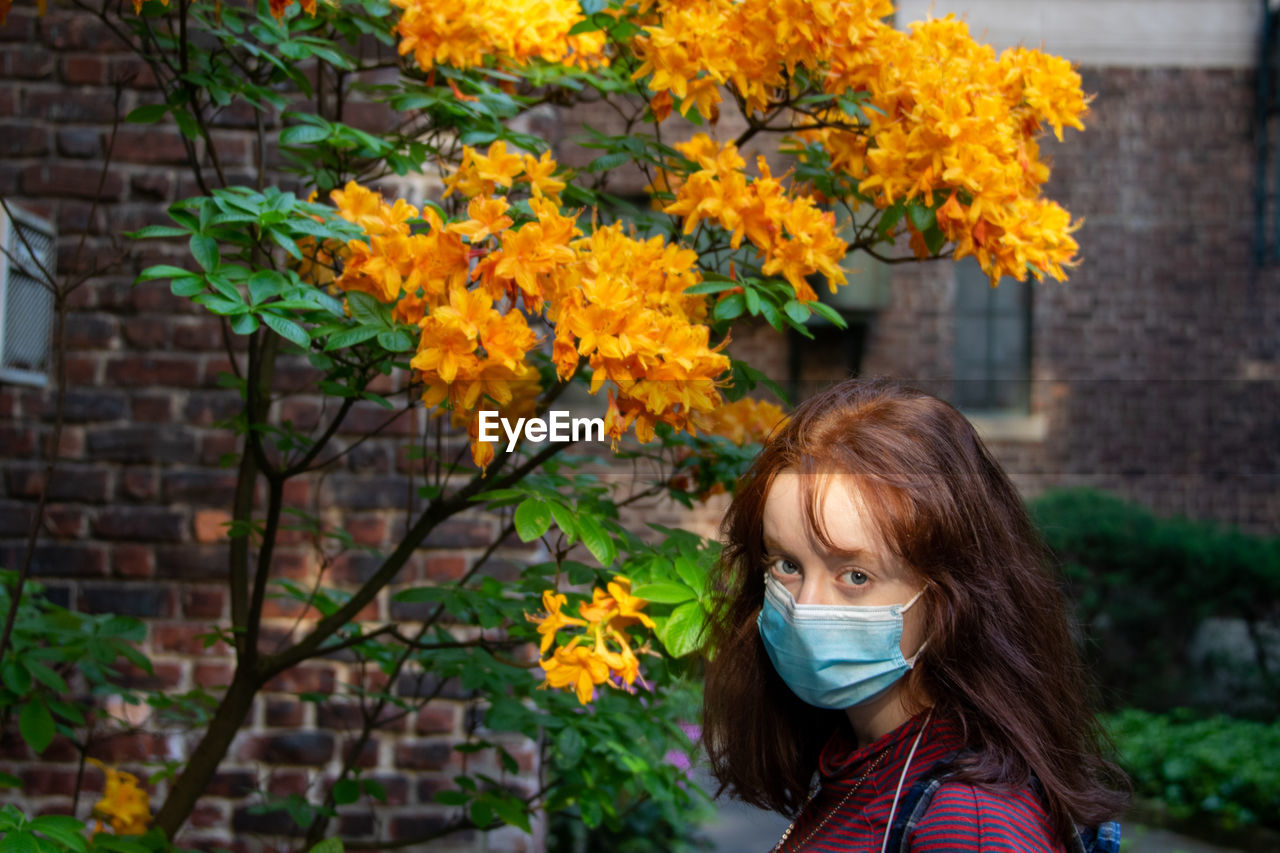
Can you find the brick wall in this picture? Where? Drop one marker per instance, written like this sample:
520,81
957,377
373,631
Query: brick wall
1156,364
135,523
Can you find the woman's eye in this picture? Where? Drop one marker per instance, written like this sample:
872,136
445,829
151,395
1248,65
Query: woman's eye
855,578
785,567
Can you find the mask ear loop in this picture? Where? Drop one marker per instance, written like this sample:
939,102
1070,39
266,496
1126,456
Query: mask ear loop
884,845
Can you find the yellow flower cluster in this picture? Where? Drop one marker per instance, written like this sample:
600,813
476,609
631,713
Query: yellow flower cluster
124,804
744,421
753,45
616,303
950,119
601,654
794,236
942,117
464,33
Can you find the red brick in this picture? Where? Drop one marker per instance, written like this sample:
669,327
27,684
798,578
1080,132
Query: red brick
141,523
137,599
164,675
200,602
128,748
284,713
211,675
82,369
25,62
285,782
87,560
423,755
158,145
307,748
303,679
367,529
134,72
84,70
67,30
65,522
69,180
147,332
48,780
200,334
86,331
155,410
207,815
20,441
80,142
23,139
436,718
210,525
133,561
134,371
444,568
184,639
152,186
368,756
138,484
20,25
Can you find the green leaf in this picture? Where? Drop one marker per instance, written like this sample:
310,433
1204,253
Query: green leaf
346,791
796,310
710,287
374,788
265,284
730,307
287,329
21,841
36,726
186,123
63,829
923,218
664,593
597,540
17,677
532,519
156,231
690,572
481,813
452,798
187,286
329,845
570,745
147,113
47,676
565,520
163,271
350,337
512,811
368,310
244,324
396,341
302,134
830,314
889,218
205,251
681,633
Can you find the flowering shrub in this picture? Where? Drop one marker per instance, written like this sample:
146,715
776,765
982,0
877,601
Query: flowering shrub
520,280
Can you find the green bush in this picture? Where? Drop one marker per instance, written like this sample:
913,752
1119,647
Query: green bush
1214,770
1142,585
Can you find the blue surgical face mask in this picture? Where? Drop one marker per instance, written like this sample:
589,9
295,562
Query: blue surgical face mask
833,656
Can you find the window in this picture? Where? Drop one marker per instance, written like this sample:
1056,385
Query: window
26,303
992,343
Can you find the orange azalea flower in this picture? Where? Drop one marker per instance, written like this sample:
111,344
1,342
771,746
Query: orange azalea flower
554,620
124,804
576,667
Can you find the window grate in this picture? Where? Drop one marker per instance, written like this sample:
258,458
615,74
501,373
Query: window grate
26,301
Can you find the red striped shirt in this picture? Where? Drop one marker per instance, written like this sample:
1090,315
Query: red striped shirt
960,817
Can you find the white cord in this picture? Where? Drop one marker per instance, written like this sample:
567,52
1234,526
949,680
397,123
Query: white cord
903,778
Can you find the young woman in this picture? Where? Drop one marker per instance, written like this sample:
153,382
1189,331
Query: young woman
889,624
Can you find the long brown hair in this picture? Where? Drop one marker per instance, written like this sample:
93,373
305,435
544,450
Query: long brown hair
1000,657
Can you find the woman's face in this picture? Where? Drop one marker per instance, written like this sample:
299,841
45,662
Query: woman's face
858,568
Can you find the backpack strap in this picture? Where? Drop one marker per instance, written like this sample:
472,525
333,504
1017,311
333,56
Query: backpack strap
1104,838
916,801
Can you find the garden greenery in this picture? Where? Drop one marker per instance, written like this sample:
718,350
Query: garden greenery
518,281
